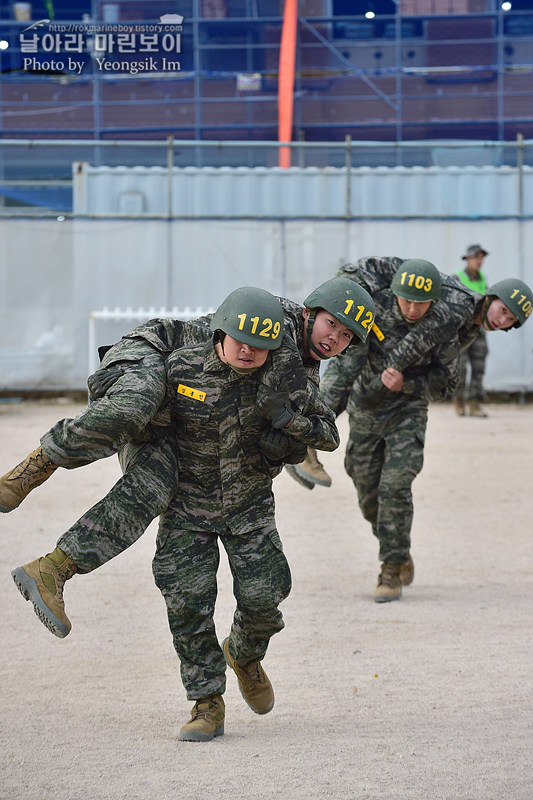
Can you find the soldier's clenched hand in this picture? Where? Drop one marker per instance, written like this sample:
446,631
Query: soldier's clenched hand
274,445
392,379
275,406
102,380
298,452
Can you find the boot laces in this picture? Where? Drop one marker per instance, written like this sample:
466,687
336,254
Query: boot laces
202,708
62,574
253,673
389,575
30,468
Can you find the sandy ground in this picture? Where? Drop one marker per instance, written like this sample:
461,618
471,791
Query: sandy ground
429,697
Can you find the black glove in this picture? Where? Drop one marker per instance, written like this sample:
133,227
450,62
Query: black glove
298,453
102,380
275,445
275,406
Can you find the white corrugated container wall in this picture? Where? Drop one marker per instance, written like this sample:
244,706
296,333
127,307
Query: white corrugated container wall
260,192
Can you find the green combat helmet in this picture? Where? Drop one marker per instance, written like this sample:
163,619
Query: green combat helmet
345,300
417,280
516,295
251,315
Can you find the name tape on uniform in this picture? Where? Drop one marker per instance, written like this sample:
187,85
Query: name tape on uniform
188,392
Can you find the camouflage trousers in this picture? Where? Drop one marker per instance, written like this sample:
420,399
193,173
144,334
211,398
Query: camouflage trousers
474,357
122,516
383,457
121,415
185,567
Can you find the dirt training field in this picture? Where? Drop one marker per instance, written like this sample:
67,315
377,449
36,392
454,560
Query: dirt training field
429,697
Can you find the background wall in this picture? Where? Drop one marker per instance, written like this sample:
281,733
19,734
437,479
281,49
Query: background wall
54,273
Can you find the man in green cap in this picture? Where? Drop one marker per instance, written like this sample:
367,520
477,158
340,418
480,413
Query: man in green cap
475,355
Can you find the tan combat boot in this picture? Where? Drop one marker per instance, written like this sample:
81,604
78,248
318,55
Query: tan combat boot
389,584
42,582
475,410
254,684
207,720
19,482
311,469
407,572
459,405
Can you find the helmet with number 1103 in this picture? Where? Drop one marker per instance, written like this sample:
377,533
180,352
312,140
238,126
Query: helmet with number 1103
348,302
251,315
417,280
516,295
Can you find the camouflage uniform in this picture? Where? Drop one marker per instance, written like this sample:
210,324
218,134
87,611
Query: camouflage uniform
125,418
129,405
476,354
105,425
387,429
453,316
120,518
225,492
150,468
128,411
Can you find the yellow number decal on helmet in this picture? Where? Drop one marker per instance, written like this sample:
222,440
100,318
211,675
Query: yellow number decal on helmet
366,322
268,329
418,281
523,302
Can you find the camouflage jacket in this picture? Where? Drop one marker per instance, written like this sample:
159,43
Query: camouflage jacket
452,318
429,372
223,480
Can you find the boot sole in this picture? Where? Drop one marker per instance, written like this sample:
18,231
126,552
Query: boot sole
291,469
381,599
196,736
310,478
6,510
29,590
254,708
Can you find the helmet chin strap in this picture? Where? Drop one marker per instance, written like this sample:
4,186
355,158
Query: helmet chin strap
310,346
218,338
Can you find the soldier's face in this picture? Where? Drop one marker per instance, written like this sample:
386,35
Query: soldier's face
329,335
240,355
498,316
412,311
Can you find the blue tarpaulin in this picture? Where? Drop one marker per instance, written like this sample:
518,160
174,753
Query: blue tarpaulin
58,198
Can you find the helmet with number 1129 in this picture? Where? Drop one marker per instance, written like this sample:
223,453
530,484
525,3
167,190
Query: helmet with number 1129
251,315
